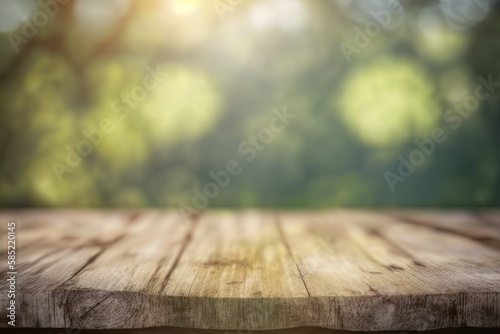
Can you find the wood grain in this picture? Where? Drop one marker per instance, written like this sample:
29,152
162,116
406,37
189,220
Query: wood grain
254,270
393,275
484,227
178,330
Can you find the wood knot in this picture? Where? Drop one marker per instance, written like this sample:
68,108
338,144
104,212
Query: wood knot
100,309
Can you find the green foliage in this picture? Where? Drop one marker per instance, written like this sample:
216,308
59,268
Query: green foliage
140,109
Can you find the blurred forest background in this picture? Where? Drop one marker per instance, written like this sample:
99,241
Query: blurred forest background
363,79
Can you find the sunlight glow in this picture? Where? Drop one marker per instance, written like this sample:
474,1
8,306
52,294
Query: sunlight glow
286,15
99,15
437,40
388,102
185,7
14,12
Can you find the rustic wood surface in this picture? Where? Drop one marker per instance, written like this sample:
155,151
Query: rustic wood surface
255,270
178,330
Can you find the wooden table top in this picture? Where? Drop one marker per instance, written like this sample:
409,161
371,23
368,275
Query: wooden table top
254,270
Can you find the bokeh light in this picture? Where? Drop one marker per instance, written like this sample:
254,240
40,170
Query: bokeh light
139,103
388,102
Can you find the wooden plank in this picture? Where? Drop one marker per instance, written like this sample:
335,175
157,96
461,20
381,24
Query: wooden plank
251,270
489,217
456,221
41,228
350,259
54,247
458,265
237,265
60,245
128,276
177,330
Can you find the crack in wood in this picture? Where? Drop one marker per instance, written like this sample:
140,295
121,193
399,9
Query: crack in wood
104,246
154,275
277,223
194,220
490,242
82,317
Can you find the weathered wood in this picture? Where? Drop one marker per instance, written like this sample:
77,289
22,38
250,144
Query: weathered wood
51,249
467,223
177,330
239,267
389,284
252,270
489,217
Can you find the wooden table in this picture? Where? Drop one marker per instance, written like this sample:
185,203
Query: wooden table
254,270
